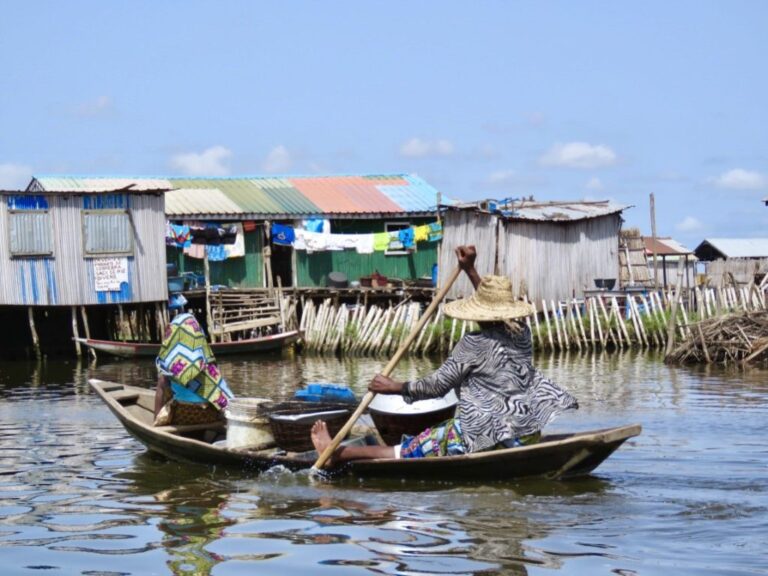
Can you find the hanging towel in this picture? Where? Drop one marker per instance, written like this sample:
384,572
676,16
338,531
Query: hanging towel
380,241
283,235
216,253
421,233
364,244
435,231
236,250
195,251
317,225
406,238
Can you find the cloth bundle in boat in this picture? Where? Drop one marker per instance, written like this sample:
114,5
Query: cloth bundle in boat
186,358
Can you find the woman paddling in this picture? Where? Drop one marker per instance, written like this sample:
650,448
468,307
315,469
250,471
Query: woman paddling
190,387
503,400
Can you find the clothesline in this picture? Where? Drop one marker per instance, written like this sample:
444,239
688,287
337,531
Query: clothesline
197,239
404,239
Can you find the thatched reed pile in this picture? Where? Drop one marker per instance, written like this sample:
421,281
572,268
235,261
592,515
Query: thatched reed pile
739,338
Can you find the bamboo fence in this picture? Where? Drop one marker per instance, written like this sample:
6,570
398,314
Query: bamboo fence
651,320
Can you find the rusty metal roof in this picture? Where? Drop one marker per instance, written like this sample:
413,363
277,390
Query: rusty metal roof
665,247
545,211
285,196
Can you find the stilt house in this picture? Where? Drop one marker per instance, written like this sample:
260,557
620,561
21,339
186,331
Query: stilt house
68,248
550,250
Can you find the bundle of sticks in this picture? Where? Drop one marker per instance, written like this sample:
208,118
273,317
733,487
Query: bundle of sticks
740,338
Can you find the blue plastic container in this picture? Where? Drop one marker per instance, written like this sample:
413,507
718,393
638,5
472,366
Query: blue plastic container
317,392
434,275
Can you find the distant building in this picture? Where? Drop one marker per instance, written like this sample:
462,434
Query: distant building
668,254
363,204
744,260
550,250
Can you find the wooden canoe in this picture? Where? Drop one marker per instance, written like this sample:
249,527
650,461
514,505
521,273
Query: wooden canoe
557,456
150,349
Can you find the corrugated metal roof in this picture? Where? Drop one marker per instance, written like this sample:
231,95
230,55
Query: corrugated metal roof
99,184
269,195
546,211
198,201
738,247
665,247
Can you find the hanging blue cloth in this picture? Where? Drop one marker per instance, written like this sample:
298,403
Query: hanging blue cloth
315,225
406,238
283,235
216,253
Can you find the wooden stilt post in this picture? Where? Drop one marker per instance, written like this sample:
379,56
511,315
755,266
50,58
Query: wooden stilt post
208,315
75,333
122,322
84,316
33,330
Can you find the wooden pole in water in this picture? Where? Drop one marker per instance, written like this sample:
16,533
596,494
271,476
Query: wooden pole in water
557,326
33,330
653,235
620,319
84,315
549,326
329,450
208,315
673,318
75,333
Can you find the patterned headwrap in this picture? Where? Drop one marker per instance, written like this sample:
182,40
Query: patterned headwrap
186,358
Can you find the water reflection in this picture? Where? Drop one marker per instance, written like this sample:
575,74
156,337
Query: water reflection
79,495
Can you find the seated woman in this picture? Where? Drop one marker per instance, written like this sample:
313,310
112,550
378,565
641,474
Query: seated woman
503,400
190,388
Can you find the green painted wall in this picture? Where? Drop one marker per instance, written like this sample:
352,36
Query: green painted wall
245,272
313,269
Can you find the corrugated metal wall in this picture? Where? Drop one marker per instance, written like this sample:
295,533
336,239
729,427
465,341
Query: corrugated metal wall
313,268
461,228
559,260
67,278
547,260
244,272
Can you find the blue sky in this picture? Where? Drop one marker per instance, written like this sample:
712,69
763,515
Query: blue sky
559,100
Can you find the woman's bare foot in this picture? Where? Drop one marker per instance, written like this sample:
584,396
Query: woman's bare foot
321,438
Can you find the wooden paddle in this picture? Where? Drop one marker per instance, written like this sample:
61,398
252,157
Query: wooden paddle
330,449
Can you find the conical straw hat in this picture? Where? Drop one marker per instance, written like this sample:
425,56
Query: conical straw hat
493,301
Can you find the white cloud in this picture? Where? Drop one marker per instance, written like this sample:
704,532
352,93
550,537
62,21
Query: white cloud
279,159
740,179
688,224
501,177
594,184
210,162
579,155
101,106
14,176
418,148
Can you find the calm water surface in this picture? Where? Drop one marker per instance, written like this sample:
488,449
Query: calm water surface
689,496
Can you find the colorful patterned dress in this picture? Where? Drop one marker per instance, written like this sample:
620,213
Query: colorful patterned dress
186,359
502,397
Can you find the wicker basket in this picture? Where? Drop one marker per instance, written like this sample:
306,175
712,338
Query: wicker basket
291,426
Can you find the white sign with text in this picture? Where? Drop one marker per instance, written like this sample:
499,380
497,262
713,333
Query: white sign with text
109,273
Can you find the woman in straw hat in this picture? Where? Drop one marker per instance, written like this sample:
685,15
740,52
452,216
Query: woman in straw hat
504,401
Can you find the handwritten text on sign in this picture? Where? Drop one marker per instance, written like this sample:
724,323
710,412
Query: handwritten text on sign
108,273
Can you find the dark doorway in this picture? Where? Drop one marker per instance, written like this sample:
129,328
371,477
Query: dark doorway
282,265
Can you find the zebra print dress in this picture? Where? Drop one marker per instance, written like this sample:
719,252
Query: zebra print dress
501,395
